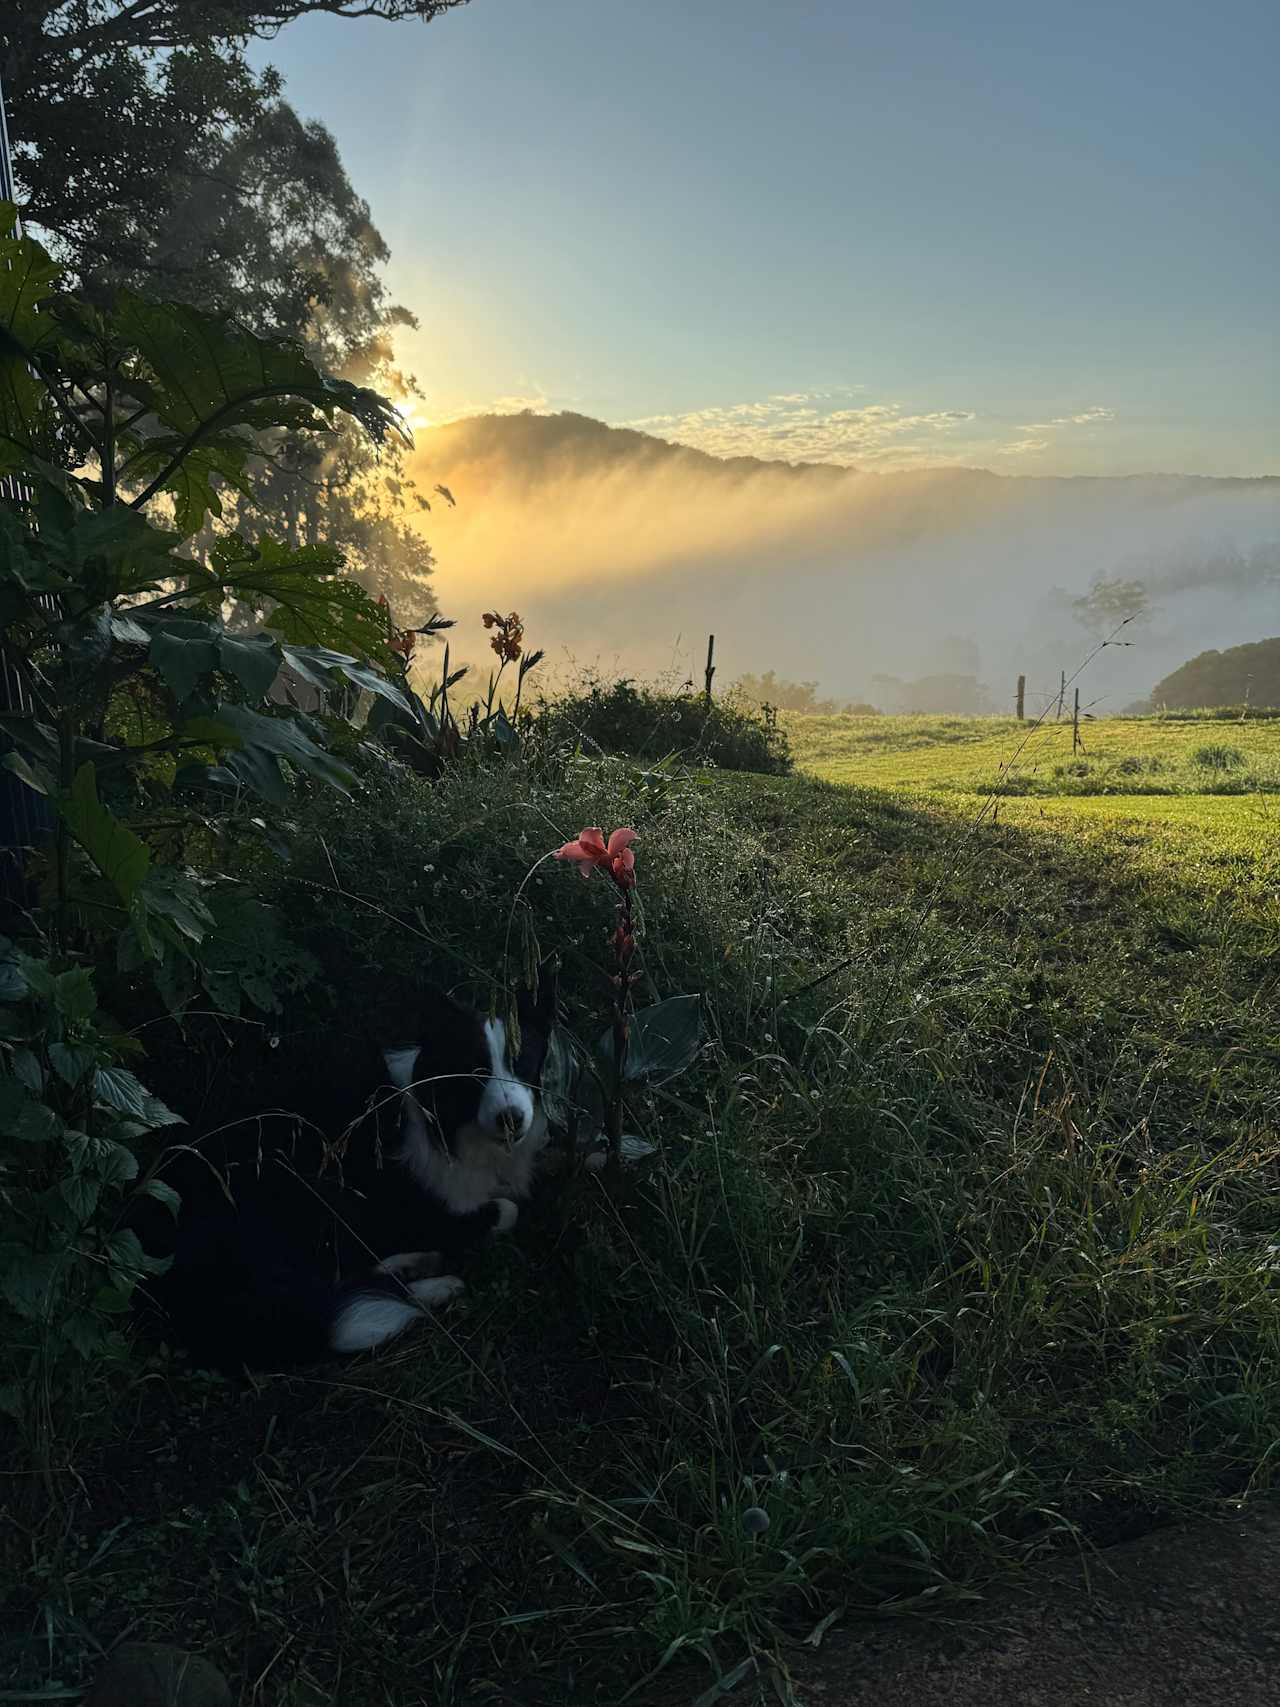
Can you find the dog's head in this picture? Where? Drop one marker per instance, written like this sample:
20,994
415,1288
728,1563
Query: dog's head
468,1072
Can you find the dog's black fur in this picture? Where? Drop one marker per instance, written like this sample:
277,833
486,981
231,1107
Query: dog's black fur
298,1241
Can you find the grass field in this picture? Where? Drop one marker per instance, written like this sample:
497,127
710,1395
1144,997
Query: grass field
959,1247
1188,805
1119,757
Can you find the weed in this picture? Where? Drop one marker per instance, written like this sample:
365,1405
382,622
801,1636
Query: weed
1217,757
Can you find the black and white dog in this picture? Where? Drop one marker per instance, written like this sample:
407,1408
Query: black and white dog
278,1260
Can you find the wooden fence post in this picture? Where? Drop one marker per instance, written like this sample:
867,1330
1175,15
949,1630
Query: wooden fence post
1075,725
1062,694
1022,698
711,669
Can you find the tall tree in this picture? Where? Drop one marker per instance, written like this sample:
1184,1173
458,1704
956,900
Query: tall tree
150,153
105,96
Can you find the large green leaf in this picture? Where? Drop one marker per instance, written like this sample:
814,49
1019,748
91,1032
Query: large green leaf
214,386
308,600
190,477
168,908
663,1040
206,368
119,855
319,665
259,771
36,776
236,729
253,660
27,278
184,651
130,554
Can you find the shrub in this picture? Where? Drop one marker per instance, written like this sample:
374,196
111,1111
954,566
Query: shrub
147,723
626,718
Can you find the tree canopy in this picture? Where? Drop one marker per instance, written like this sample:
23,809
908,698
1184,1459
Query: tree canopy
152,157
1242,675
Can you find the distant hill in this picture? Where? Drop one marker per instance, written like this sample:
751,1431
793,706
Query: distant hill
1242,674
624,551
536,446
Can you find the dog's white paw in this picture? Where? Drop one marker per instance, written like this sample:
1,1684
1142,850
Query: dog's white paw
412,1265
429,1293
508,1214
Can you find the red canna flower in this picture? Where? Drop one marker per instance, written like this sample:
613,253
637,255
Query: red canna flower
509,639
590,852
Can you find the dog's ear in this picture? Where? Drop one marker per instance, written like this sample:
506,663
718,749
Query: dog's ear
537,1018
401,1064
543,1010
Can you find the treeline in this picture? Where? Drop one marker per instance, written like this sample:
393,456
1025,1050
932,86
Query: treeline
1242,675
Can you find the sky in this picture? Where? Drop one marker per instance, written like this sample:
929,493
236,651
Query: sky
1029,237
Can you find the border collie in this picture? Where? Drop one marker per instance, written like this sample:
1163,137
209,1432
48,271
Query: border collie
279,1260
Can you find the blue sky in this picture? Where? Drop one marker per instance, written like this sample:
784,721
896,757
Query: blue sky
1039,238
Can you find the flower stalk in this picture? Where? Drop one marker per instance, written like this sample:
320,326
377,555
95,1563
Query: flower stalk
590,852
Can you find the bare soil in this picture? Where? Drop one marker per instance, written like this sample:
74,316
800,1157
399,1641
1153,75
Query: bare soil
1184,1617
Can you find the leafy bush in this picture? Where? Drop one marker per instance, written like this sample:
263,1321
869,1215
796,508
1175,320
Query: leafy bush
650,723
151,726
71,1115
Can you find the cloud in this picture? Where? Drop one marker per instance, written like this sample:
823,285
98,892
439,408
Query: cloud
1032,441
803,426
822,425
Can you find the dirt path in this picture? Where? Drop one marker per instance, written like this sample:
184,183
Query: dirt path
1183,1618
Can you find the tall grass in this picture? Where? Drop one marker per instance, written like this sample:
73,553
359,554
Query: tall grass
962,1253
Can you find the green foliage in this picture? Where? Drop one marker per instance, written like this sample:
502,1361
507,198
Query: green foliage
163,399
153,726
1240,676
70,1119
642,722
216,194
663,1043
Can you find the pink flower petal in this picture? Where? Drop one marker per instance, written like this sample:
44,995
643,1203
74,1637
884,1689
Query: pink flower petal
621,839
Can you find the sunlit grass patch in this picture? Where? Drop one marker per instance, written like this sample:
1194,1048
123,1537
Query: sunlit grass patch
979,755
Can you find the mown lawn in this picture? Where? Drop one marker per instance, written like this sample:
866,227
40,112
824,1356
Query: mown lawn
960,1247
1122,757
